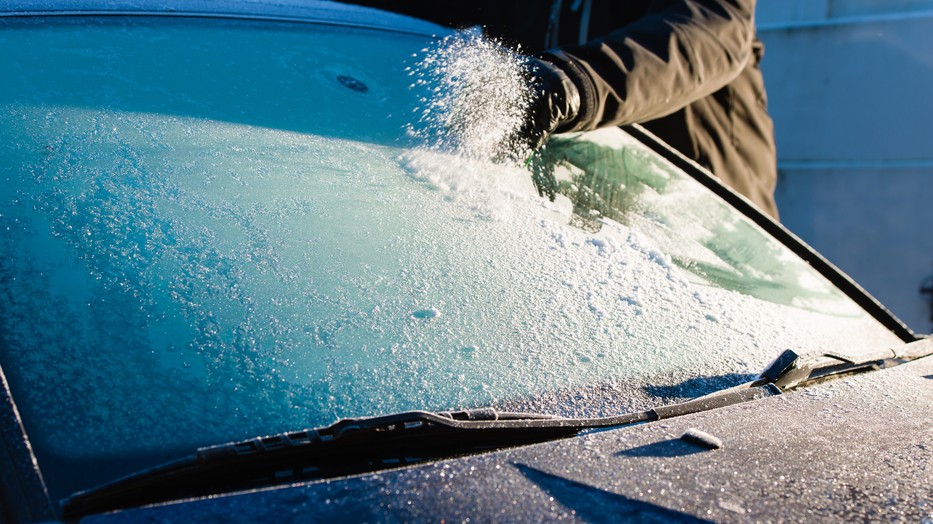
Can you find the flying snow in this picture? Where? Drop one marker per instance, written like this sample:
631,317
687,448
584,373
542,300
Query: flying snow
475,97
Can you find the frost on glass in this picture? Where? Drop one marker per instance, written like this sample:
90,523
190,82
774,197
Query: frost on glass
215,231
615,179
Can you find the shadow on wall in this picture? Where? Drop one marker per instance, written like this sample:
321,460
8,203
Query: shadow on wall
926,288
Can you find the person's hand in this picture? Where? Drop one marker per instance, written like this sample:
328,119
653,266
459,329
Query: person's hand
555,102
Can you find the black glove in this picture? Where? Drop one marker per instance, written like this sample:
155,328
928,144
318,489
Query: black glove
556,103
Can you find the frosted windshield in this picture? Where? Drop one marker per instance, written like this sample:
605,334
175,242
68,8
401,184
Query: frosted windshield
214,230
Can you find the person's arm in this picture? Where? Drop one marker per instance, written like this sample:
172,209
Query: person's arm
681,51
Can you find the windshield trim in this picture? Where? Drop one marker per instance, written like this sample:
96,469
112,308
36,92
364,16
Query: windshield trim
780,233
23,494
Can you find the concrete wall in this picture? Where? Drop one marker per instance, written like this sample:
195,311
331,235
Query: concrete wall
790,11
850,86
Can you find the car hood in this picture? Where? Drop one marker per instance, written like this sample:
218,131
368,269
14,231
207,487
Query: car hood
854,448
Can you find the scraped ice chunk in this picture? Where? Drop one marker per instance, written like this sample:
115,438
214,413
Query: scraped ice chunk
701,438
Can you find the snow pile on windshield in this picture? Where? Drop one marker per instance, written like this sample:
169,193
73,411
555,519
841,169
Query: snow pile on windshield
474,97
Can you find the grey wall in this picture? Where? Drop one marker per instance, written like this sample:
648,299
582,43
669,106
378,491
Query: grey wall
784,11
850,87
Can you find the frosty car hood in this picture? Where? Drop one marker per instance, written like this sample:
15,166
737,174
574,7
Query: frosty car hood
854,448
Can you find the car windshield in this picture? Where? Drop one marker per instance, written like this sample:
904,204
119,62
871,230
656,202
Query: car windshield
216,229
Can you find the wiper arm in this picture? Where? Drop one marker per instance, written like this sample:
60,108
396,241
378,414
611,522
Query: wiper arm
791,371
352,446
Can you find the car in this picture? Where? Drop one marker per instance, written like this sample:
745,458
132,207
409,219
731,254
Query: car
241,281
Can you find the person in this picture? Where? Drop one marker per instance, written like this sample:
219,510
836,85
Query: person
687,70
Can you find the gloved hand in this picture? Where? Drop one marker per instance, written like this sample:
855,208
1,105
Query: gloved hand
556,103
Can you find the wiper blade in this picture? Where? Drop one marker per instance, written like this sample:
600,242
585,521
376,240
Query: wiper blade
352,446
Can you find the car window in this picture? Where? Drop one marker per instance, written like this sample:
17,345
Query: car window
213,230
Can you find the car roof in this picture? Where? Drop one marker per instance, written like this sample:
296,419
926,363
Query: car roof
318,11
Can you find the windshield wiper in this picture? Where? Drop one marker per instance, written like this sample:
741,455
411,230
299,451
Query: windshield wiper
352,446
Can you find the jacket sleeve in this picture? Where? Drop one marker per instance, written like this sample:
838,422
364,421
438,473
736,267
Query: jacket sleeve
679,52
